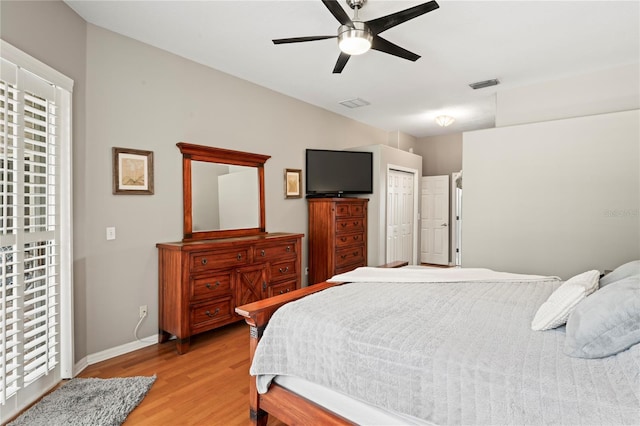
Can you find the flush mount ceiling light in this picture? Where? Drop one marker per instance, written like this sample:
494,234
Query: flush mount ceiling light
445,120
354,40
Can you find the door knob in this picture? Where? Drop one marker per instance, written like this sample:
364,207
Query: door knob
444,224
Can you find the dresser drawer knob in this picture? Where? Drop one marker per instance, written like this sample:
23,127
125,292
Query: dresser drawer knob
356,237
284,291
264,285
283,270
355,253
204,261
262,253
343,239
356,223
288,249
239,256
344,256
211,315
211,287
343,224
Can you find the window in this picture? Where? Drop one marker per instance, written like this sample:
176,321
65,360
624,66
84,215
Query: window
35,229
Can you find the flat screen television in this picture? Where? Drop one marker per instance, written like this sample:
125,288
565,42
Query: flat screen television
337,173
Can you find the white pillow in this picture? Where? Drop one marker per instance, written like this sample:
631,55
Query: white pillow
556,310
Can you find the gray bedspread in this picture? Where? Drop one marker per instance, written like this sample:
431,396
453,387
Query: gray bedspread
448,353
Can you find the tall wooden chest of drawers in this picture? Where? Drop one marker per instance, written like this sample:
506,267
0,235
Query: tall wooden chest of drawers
337,236
201,282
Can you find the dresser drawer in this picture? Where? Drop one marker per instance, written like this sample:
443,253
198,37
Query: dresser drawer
345,269
207,314
283,270
349,255
275,251
349,225
281,288
349,239
349,210
207,260
210,286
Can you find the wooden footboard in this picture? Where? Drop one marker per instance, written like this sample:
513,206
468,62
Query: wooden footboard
287,406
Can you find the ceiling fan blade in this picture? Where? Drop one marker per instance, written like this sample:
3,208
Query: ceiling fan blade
338,12
379,25
342,61
386,46
301,39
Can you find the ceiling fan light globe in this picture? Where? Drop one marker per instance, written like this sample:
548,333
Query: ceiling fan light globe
354,41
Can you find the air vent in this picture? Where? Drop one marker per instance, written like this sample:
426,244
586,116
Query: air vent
483,84
355,103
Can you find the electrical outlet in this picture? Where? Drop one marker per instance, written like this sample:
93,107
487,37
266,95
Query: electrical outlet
111,233
143,311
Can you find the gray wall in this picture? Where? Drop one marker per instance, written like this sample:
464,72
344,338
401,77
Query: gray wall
441,155
558,197
54,34
132,95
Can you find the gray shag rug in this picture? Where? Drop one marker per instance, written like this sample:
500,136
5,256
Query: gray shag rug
90,402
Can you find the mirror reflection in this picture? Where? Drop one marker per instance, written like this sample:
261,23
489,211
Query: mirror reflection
224,197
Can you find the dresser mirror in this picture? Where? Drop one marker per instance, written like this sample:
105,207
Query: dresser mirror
223,192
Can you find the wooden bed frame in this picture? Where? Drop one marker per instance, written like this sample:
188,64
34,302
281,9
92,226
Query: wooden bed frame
287,406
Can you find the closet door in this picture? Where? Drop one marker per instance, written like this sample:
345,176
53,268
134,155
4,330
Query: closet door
400,213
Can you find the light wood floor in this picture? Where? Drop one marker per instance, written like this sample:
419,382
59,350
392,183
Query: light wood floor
208,385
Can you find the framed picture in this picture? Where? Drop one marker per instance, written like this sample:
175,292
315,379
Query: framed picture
293,183
132,171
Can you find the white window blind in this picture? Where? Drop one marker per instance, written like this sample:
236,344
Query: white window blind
34,138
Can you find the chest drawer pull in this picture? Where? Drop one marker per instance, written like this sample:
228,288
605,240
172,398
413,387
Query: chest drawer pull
211,315
284,291
356,237
204,261
343,224
355,223
210,287
288,249
262,253
343,239
239,256
283,270
344,256
264,285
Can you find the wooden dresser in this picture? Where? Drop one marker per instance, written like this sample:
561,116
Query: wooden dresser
201,282
337,236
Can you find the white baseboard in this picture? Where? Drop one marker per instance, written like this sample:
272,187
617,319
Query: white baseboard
113,352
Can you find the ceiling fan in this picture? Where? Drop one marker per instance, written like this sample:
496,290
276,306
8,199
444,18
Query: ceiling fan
355,37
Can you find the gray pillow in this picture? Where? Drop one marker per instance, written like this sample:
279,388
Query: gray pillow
606,322
623,271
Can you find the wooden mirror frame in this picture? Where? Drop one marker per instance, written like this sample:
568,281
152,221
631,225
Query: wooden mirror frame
191,152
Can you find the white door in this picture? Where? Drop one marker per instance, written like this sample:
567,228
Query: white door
434,223
400,213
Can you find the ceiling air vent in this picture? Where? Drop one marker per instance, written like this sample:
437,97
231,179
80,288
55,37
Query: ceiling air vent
355,103
483,84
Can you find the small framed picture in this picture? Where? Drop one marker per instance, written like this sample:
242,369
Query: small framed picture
132,171
293,183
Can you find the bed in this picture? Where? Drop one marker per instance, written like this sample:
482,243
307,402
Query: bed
420,346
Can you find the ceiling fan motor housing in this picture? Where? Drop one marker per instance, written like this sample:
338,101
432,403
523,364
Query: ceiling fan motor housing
356,3
355,39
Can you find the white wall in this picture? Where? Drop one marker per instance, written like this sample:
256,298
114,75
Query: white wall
384,157
557,197
609,90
